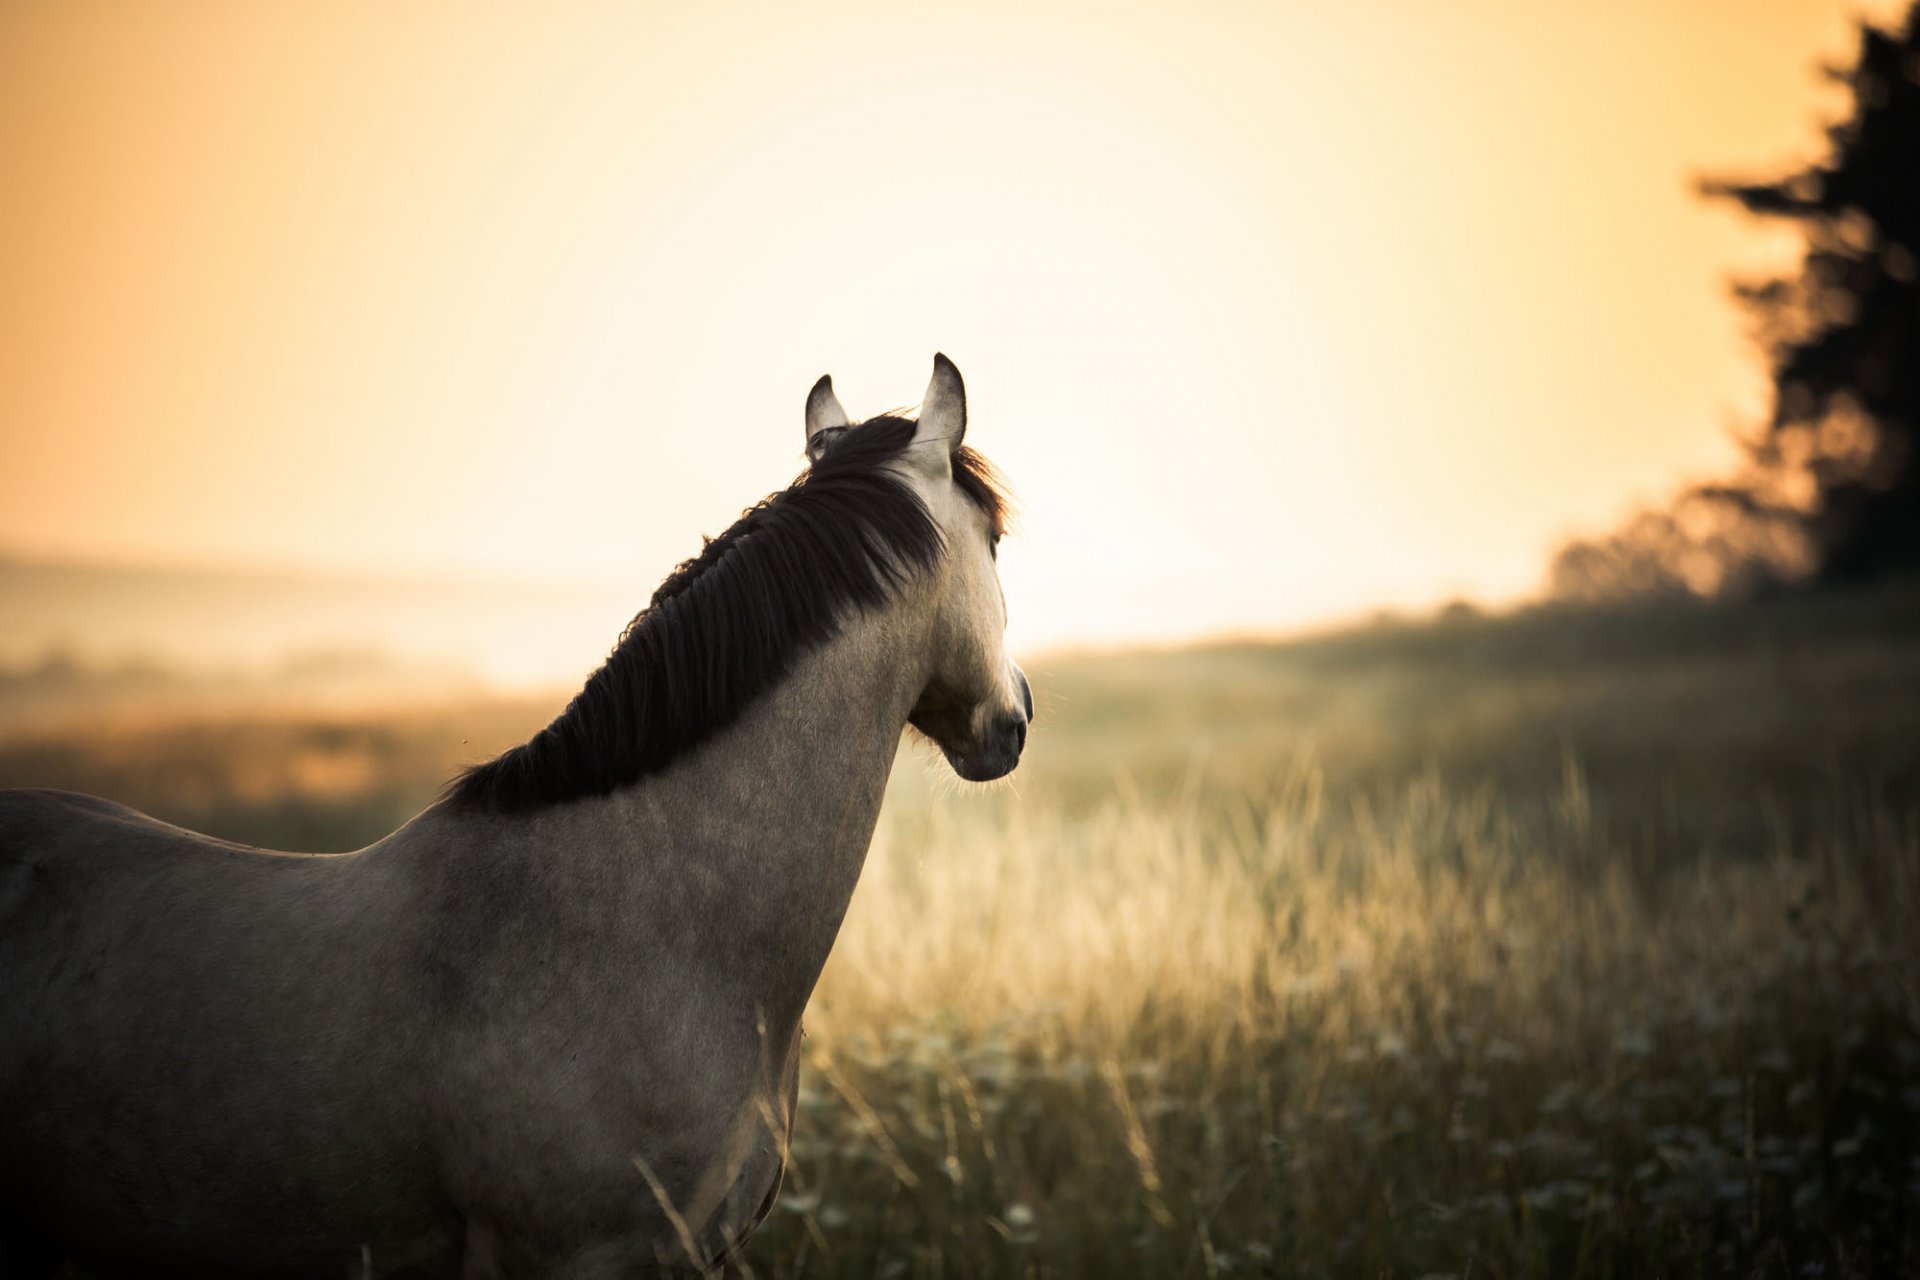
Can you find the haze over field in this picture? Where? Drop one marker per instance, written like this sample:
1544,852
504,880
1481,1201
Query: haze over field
1273,313
513,633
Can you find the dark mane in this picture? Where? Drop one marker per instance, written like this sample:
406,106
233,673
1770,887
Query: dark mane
732,621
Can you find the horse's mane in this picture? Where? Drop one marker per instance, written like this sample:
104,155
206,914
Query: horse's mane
729,623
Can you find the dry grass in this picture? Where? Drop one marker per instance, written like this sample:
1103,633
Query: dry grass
1554,946
1410,1038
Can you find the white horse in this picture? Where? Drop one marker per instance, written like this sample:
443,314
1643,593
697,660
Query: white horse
550,1027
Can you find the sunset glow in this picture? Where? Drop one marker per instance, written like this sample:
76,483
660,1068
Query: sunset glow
1273,314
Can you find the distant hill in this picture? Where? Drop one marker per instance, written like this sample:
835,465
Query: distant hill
71,622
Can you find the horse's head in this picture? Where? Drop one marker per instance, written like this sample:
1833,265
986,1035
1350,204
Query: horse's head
976,704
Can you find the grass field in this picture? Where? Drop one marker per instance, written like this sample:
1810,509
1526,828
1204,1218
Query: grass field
1556,945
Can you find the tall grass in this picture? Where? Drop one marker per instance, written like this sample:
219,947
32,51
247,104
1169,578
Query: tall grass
1410,1036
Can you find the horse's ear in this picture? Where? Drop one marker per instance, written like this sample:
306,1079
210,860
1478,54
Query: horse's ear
825,418
943,411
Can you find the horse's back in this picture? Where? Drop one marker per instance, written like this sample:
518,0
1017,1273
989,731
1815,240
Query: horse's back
50,842
37,821
67,860
115,925
166,996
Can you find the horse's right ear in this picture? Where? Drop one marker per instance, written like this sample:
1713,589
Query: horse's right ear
943,410
825,418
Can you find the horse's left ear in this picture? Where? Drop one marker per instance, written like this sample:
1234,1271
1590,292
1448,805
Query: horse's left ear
943,411
826,420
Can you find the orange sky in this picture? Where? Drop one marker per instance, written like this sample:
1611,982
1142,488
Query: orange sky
1273,312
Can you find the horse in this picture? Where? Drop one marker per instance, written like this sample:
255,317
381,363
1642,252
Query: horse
550,1027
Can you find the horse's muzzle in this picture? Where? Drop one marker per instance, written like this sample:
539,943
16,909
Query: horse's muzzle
996,752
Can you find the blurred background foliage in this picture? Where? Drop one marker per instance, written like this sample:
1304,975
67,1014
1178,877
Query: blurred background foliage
1830,490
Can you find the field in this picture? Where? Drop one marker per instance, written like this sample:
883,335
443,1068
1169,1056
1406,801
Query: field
1566,944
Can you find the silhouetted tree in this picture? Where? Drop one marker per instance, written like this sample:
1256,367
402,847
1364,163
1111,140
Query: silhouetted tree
1831,489
1844,336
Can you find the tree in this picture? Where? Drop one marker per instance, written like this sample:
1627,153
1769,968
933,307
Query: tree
1831,487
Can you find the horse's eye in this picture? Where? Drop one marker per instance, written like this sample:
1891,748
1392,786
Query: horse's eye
993,544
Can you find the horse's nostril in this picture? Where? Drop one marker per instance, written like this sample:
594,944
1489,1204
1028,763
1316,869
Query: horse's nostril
1026,694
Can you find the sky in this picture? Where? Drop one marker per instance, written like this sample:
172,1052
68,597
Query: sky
1274,314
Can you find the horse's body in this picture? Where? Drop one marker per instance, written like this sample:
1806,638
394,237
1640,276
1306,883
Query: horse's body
556,1036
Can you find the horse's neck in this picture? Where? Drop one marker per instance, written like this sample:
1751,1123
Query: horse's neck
765,828
749,846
